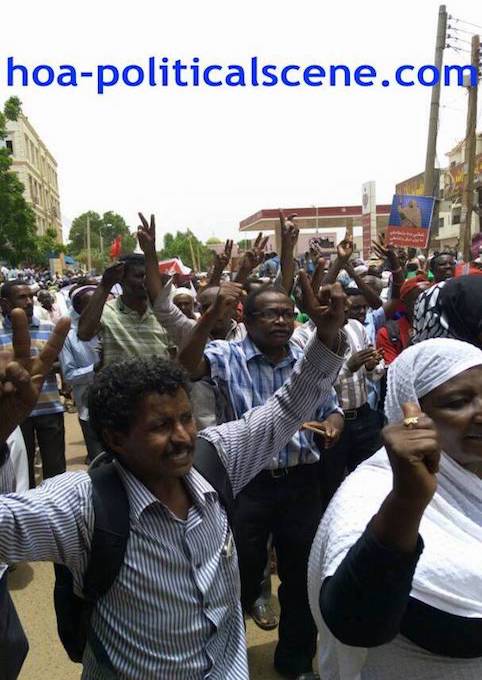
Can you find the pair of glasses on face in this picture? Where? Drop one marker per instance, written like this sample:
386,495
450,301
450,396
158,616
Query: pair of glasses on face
275,314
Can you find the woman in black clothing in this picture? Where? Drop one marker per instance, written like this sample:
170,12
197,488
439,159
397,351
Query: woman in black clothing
395,574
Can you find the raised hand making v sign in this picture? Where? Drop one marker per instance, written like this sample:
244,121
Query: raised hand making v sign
21,375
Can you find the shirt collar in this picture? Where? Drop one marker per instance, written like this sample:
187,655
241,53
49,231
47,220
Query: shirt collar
124,309
140,498
251,351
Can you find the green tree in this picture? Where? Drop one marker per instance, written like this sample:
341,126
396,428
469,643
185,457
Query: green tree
47,245
213,241
182,245
103,231
17,219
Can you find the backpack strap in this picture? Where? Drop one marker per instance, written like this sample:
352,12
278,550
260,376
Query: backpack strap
111,531
208,463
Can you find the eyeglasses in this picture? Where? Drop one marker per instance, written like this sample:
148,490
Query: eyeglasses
275,314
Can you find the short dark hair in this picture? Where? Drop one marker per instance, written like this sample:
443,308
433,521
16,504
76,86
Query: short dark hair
133,260
118,389
6,289
352,291
435,258
250,304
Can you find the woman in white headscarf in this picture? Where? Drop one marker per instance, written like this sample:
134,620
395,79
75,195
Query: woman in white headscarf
395,573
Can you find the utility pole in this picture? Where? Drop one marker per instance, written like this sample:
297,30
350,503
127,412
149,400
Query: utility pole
89,255
429,180
469,162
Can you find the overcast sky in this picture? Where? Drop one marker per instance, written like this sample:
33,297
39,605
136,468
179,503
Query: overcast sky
207,158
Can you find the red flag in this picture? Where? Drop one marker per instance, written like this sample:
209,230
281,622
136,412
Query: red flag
116,247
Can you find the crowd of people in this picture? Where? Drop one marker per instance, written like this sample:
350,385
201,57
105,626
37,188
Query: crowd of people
318,419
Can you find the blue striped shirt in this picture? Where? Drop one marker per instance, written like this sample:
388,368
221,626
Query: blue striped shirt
249,379
49,399
174,609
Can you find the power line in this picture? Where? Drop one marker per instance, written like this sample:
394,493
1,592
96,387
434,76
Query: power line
459,30
454,37
462,21
457,49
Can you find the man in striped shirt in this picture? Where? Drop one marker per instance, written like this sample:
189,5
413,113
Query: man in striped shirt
174,609
45,424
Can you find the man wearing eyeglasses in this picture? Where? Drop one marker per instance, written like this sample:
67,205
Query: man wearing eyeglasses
284,499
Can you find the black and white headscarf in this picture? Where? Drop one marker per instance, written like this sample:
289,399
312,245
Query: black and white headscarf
450,309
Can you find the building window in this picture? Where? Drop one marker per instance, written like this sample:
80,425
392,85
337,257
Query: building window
441,222
9,145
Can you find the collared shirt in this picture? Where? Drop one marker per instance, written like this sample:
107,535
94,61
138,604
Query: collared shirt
49,399
174,610
126,334
78,359
352,388
249,379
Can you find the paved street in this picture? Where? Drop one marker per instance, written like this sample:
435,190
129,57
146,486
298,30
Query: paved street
32,586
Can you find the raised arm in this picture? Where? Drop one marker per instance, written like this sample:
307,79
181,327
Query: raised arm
192,354
344,252
251,259
22,376
247,444
364,602
89,322
373,299
146,236
220,263
289,239
386,251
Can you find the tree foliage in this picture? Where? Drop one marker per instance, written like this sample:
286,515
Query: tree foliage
18,240
213,241
47,246
109,225
183,245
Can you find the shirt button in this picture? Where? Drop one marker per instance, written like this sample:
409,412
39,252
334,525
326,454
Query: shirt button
198,565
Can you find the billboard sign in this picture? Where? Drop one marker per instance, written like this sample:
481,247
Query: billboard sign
410,220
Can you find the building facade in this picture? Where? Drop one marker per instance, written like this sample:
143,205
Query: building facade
37,170
315,222
450,192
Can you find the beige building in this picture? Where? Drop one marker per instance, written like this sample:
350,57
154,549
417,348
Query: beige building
451,189
37,170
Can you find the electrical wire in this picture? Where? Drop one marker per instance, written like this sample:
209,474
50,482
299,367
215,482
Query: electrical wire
462,21
459,30
454,37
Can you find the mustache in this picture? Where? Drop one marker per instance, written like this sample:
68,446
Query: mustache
178,450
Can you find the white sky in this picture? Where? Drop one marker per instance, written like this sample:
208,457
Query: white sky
205,158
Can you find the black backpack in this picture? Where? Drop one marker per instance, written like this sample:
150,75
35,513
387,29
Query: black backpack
109,543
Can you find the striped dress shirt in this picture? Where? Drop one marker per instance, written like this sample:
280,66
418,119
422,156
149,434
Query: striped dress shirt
49,400
249,379
174,611
352,388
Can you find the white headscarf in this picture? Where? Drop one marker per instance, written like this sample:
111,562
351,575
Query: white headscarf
421,368
449,572
183,291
